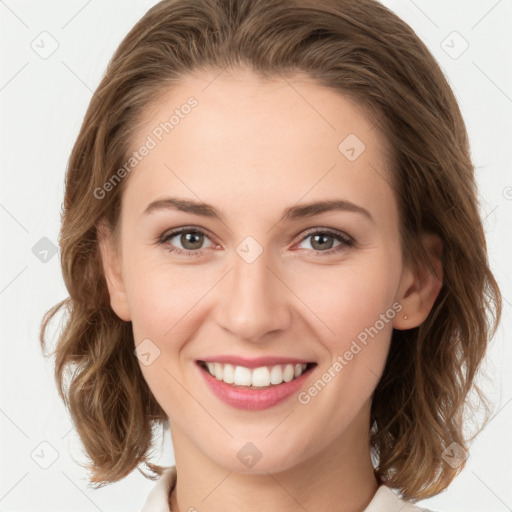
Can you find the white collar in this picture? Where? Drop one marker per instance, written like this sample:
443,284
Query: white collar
384,500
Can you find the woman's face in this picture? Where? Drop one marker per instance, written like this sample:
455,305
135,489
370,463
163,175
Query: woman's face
257,273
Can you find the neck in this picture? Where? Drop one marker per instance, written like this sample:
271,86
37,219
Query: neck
340,477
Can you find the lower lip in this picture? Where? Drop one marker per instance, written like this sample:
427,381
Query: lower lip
253,398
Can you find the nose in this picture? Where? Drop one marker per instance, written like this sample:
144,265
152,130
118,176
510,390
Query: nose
253,301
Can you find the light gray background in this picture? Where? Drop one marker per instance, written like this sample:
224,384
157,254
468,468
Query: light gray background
43,101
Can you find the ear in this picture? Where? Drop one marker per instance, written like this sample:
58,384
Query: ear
420,286
111,262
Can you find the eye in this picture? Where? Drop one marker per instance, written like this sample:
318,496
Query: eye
191,240
322,241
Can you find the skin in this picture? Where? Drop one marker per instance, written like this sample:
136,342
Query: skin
251,148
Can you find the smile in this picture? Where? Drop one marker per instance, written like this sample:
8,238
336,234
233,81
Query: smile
261,377
272,384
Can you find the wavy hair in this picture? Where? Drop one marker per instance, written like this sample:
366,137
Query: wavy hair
360,49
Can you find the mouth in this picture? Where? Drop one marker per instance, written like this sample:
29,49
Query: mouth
262,377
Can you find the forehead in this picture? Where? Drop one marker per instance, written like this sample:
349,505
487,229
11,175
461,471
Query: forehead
243,142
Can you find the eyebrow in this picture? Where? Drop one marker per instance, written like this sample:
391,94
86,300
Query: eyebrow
291,213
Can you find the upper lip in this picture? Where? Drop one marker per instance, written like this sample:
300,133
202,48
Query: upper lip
255,362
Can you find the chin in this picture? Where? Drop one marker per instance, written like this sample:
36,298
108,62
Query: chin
259,456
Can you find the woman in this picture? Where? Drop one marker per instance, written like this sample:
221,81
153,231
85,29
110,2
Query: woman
272,246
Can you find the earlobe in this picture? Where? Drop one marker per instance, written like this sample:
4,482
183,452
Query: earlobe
112,269
420,286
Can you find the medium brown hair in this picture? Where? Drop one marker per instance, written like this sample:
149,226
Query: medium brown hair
362,50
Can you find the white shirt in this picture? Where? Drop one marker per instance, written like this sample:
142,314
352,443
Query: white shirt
384,500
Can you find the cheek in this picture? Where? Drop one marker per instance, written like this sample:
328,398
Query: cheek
349,298
160,301
356,307
155,291
164,304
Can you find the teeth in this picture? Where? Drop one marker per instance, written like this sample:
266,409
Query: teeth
260,377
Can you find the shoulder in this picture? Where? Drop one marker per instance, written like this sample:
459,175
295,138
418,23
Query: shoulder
386,500
157,500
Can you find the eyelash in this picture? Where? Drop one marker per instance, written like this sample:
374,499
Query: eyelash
346,240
